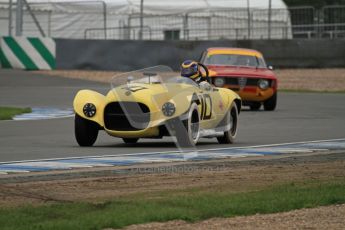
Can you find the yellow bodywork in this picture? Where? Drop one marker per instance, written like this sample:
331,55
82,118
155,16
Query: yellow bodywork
154,95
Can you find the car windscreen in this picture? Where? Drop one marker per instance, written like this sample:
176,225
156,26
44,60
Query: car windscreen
234,60
182,80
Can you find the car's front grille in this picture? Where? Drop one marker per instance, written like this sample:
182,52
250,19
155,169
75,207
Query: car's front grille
126,116
241,81
236,81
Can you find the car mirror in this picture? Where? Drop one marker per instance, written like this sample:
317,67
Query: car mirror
270,67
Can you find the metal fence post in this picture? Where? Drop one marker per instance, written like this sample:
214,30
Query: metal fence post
19,18
129,24
209,27
185,26
49,22
269,18
248,11
34,18
141,19
10,18
105,19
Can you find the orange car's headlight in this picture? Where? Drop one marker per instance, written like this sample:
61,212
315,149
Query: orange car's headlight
219,82
263,84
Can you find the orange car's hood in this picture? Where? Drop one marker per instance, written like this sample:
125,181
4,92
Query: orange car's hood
240,71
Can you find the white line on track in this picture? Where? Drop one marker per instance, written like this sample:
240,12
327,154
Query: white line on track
175,151
47,118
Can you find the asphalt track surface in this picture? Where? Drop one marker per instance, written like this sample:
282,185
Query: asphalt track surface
298,117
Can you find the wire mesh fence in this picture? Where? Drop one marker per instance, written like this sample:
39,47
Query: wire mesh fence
65,20
98,20
5,22
334,16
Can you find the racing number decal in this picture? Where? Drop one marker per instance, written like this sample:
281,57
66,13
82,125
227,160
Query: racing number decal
206,107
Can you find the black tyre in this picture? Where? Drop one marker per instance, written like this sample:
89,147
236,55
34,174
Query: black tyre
255,106
193,125
230,135
187,131
271,103
85,131
130,140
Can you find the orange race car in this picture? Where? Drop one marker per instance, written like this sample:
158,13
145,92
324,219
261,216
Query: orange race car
245,72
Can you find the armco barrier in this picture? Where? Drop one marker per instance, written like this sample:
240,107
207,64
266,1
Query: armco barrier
130,55
27,53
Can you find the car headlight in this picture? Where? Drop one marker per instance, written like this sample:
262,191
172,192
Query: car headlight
89,110
263,84
219,82
168,109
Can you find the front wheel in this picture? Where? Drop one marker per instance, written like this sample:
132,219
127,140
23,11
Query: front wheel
255,106
230,135
130,140
271,103
186,131
85,131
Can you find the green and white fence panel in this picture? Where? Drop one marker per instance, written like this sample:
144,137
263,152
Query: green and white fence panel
27,53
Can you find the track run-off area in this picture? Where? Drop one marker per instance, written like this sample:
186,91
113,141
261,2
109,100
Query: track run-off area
44,165
300,120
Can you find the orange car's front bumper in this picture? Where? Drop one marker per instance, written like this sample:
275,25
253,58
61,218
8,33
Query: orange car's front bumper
252,93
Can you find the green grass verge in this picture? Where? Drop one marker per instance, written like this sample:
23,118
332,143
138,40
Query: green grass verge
7,113
192,207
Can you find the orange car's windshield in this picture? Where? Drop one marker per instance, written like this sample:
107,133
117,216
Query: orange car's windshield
234,60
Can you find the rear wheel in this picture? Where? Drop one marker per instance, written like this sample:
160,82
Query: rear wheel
85,131
271,103
254,106
230,135
130,140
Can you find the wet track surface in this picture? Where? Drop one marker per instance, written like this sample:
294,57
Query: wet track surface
299,117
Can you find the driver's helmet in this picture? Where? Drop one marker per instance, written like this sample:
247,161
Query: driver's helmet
190,69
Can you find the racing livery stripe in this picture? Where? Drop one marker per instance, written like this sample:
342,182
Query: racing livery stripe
20,53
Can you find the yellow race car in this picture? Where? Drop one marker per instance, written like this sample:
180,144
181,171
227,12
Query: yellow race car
154,102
